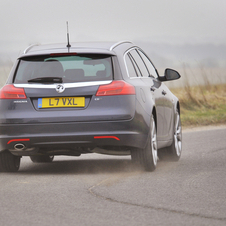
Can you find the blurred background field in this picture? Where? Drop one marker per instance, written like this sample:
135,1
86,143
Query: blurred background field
202,105
202,95
4,72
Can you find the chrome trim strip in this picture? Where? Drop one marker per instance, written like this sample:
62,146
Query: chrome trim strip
66,85
119,43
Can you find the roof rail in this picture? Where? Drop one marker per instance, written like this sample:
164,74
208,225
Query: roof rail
29,48
118,43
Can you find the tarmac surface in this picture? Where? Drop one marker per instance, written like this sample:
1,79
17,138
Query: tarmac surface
109,190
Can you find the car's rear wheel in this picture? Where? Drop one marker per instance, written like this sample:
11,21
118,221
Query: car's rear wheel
42,158
9,162
149,153
173,152
148,156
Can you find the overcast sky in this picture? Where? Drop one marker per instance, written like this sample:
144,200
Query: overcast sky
24,22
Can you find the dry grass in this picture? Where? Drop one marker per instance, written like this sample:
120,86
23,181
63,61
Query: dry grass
202,105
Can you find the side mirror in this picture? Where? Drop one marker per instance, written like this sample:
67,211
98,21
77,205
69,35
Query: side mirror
171,74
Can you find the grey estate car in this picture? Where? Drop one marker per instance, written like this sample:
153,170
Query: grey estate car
82,98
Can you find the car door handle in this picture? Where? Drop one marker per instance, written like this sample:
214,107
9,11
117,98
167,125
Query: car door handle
152,89
164,92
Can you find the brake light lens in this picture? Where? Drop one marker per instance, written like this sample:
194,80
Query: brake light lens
116,88
11,92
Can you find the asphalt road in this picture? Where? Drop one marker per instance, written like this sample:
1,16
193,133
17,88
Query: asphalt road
104,190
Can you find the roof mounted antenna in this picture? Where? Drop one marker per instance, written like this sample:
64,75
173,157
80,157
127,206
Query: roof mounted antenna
68,43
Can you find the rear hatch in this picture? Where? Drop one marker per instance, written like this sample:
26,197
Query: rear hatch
67,87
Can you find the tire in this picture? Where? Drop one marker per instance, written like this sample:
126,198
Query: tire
9,162
42,158
173,152
148,156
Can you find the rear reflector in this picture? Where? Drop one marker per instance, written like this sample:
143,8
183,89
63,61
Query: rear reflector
11,92
106,137
17,140
116,88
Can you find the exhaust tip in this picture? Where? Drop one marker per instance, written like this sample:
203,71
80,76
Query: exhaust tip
19,146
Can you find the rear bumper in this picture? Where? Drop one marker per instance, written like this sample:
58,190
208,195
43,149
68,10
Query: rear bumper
113,135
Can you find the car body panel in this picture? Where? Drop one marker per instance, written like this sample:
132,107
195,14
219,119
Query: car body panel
111,124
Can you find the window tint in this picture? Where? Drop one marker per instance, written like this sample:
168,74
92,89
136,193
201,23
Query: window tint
130,66
149,65
72,68
140,63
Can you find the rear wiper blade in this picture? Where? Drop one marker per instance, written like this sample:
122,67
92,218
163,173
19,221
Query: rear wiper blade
47,80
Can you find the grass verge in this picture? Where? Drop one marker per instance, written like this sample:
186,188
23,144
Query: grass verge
202,105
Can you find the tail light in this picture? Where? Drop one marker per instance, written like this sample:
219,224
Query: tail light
116,88
11,92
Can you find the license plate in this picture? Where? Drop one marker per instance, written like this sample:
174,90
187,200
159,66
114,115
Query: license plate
60,102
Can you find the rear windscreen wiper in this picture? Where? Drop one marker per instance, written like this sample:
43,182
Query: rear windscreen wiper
47,80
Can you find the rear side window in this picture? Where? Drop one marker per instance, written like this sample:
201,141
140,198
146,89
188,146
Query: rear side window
71,68
149,65
140,63
132,72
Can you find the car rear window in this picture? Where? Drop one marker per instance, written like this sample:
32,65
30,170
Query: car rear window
71,68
